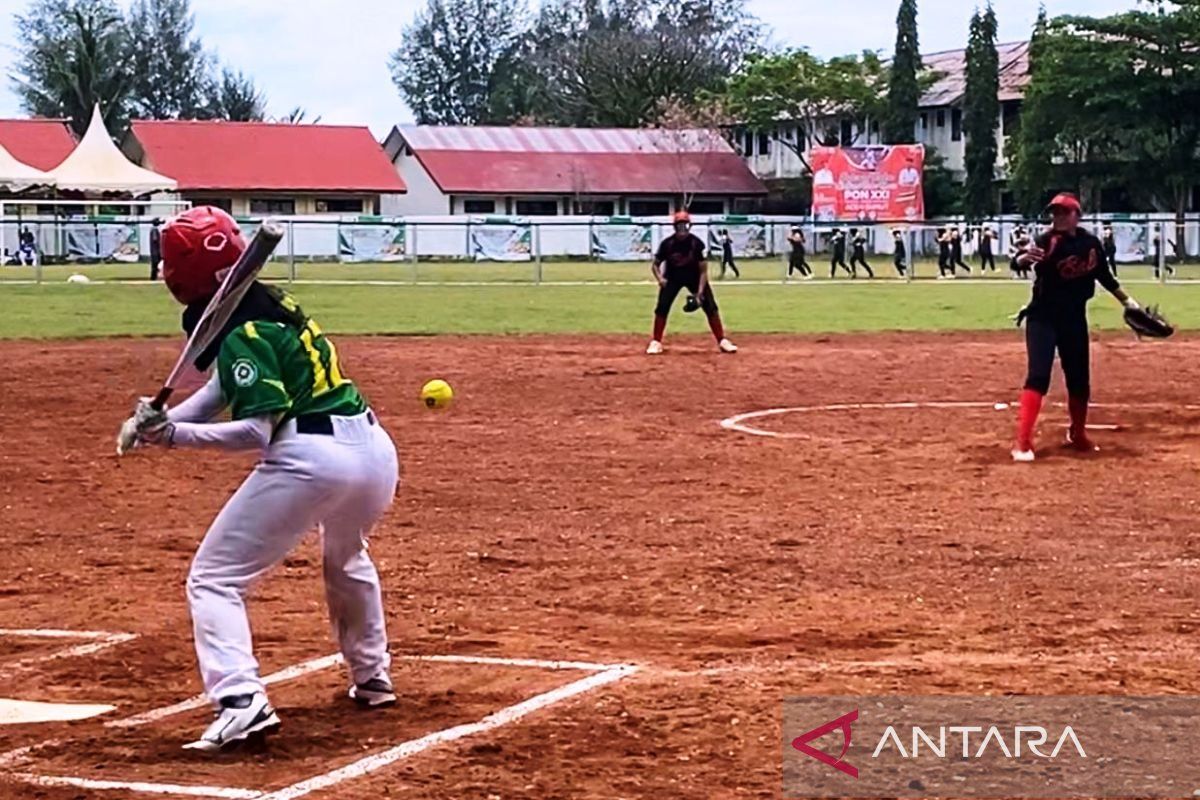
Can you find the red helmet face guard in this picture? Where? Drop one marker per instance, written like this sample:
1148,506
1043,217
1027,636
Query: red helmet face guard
198,247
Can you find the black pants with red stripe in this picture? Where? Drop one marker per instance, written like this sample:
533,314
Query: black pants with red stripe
1068,335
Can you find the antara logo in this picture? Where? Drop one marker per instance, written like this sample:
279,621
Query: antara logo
1023,738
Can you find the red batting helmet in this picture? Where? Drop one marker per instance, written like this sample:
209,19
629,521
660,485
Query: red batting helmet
1066,201
683,216
197,246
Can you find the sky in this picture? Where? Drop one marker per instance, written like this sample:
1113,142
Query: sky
331,56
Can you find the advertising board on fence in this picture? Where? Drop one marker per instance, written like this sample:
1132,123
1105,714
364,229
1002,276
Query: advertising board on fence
868,183
103,241
621,239
501,239
371,243
749,235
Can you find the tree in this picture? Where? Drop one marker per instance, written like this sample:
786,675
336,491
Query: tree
71,58
692,133
235,98
1116,102
612,62
981,115
904,90
171,72
297,116
448,57
801,89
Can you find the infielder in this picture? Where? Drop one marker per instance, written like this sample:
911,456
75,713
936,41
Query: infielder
681,263
1068,262
325,463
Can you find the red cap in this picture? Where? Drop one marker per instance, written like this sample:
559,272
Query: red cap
197,246
1066,201
683,216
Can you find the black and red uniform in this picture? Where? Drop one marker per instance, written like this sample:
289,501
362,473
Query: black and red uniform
1056,321
682,258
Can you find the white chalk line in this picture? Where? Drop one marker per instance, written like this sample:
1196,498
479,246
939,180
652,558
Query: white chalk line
738,421
137,786
54,633
602,674
91,648
506,716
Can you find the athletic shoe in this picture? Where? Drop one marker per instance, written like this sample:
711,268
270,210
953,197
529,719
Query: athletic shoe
808,277
727,346
239,718
1022,456
375,693
655,348
1081,443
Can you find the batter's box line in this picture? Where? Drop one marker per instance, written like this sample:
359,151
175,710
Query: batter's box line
95,642
600,675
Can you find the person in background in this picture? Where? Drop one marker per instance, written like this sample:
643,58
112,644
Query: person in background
858,254
797,259
987,255
899,252
155,247
945,268
838,259
956,250
727,254
27,248
1157,254
1017,240
1109,240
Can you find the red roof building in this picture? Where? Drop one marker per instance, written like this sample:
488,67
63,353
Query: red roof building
40,143
256,168
551,171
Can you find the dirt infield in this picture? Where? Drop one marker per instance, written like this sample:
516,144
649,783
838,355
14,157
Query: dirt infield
581,501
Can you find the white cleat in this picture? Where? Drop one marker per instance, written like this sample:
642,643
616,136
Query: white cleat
1023,456
655,348
240,718
727,346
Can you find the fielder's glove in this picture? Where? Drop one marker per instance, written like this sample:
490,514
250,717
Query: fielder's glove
691,305
147,425
1147,321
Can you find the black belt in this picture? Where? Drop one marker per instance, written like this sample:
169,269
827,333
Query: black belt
322,424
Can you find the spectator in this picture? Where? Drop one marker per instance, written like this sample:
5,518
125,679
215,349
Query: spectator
155,247
27,252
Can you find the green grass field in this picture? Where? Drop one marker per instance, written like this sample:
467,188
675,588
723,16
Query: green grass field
57,309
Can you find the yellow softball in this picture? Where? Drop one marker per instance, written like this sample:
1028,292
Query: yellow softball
436,394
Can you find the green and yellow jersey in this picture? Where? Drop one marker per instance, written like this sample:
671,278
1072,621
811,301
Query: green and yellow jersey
269,367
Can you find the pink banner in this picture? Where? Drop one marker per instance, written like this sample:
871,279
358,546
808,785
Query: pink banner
869,183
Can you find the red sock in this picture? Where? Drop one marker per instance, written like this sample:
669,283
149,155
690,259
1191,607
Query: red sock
718,330
1078,406
660,327
1031,406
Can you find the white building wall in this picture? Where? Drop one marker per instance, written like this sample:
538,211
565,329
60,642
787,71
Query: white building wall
423,197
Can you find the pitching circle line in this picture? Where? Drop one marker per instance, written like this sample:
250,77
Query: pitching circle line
738,421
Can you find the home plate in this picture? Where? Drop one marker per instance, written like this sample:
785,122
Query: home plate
20,712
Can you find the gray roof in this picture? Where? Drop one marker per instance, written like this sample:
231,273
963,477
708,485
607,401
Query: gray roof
952,66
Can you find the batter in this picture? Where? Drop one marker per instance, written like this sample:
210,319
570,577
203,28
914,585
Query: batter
326,463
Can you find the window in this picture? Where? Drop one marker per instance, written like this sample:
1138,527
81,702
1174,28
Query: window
595,208
847,133
223,203
479,206
941,119
1011,112
764,144
272,206
956,125
649,208
707,207
339,205
537,208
